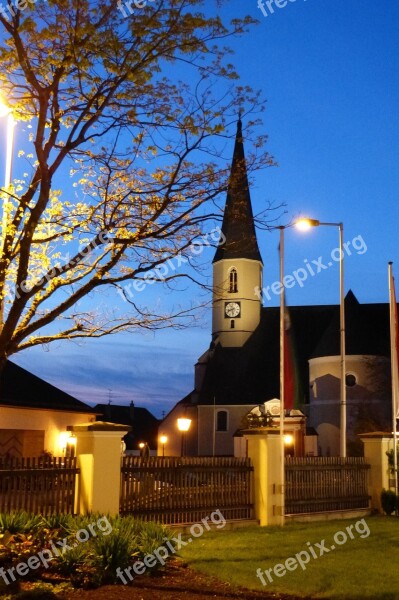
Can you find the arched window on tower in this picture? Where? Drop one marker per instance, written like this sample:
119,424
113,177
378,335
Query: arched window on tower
222,418
233,281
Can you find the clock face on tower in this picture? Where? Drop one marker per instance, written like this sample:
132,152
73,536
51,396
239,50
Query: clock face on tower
232,310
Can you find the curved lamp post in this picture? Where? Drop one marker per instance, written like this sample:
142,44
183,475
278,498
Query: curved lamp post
305,224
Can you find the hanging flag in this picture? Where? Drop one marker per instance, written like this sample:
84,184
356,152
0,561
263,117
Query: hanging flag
292,397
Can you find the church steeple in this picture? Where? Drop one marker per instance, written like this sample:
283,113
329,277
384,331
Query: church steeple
237,266
238,222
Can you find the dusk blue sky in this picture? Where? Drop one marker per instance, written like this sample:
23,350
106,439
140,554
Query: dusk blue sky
330,73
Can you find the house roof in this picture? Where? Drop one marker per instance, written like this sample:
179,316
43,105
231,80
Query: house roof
250,375
144,424
238,221
21,389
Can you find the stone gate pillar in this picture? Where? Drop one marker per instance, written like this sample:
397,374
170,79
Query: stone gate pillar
98,451
265,452
376,446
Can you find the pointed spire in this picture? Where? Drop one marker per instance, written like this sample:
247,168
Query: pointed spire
238,222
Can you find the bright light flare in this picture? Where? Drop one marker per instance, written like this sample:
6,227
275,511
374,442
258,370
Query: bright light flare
288,439
304,224
183,424
4,110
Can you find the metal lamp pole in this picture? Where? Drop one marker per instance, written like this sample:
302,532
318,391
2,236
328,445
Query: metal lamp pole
282,378
305,224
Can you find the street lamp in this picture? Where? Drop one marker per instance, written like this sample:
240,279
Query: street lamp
6,112
183,425
163,439
304,224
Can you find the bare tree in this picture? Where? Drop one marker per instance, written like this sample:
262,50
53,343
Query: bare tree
142,150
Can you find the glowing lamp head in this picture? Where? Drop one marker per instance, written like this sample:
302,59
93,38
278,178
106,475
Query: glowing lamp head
63,439
183,424
304,224
288,439
4,110
141,445
163,439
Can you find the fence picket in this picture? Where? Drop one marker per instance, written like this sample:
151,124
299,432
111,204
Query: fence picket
184,490
317,484
38,485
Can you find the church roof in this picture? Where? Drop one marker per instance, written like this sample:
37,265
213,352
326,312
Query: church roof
367,330
250,375
238,222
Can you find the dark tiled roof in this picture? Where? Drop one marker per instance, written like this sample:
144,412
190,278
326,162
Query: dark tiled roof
144,424
250,375
238,221
367,330
21,389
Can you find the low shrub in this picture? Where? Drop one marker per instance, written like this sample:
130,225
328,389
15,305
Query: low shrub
152,536
389,501
19,522
86,563
110,552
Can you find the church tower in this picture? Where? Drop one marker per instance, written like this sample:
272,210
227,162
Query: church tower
237,265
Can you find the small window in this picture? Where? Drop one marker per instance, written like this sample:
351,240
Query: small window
233,281
221,420
232,324
350,380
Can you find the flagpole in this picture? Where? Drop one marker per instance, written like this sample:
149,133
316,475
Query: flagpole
282,324
394,369
214,426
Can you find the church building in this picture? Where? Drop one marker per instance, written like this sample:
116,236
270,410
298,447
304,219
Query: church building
240,369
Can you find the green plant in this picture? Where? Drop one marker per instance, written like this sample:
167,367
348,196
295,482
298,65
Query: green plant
389,501
71,560
112,551
60,521
19,522
152,536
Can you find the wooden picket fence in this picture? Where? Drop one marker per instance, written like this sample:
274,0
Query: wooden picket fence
319,484
38,485
174,490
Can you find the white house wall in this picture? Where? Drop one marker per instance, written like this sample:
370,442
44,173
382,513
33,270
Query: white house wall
53,423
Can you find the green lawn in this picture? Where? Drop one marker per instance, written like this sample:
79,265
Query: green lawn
361,568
